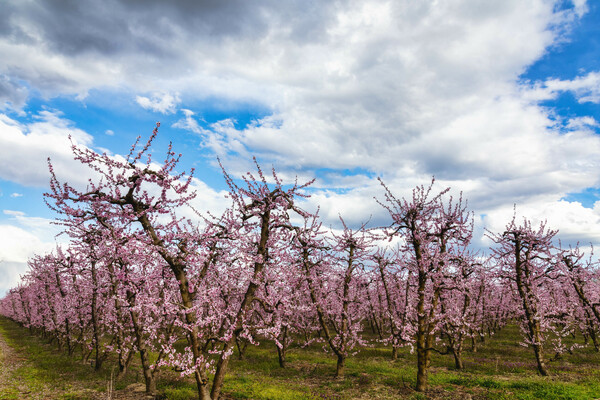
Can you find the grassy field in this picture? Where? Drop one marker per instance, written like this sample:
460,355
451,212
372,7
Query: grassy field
500,369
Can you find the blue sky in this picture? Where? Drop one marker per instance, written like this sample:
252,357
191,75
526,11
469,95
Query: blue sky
500,100
576,54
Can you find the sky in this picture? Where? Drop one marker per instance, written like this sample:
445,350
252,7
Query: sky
499,100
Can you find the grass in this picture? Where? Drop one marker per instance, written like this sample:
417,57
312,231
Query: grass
47,373
500,369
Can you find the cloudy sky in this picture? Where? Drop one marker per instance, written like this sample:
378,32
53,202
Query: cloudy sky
498,99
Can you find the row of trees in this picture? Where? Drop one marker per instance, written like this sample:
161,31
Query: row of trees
139,277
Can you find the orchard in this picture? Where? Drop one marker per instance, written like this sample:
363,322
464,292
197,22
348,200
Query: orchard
141,278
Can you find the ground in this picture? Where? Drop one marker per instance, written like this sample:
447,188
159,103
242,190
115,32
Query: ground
23,377
501,369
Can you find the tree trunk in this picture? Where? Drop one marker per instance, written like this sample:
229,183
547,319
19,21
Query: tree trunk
457,353
341,366
422,350
98,360
221,369
421,368
594,338
242,345
423,353
281,351
539,357
202,385
70,346
148,373
525,292
139,339
281,356
473,344
125,366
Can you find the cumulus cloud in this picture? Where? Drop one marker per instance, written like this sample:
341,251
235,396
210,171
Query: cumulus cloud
586,89
384,86
575,223
271,52
147,45
12,94
16,246
25,148
400,89
11,274
189,123
44,229
582,123
22,237
162,103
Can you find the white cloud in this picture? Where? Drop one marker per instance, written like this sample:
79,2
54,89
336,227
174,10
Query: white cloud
284,53
397,88
582,123
11,275
13,213
574,222
18,244
585,88
12,95
162,103
109,132
207,200
43,228
16,194
25,148
581,7
23,236
189,123
401,89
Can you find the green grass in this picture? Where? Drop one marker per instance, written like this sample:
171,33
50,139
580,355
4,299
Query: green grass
500,369
48,373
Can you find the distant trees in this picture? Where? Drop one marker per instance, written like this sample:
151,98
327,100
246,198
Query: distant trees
138,276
